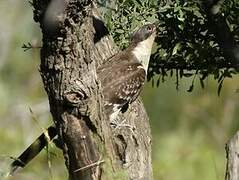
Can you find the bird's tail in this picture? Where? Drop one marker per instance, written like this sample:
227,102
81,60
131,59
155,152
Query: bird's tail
33,150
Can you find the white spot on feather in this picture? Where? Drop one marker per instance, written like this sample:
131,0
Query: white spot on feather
140,67
114,114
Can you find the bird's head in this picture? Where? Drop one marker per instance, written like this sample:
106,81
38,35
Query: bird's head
145,32
141,43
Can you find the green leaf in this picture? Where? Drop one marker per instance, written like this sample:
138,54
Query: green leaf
191,88
158,82
219,88
176,48
202,83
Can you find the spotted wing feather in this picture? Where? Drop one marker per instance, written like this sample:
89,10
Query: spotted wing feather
121,84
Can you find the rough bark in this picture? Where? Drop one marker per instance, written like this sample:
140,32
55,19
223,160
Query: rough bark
75,42
232,150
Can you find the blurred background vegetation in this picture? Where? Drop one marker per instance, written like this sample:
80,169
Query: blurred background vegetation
189,129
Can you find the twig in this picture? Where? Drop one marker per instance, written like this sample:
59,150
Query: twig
90,165
29,46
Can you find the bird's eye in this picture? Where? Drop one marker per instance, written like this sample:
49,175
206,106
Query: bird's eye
149,28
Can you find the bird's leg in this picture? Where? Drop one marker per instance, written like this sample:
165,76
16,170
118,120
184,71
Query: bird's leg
118,123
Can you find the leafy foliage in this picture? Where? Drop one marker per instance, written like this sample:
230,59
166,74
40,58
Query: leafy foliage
186,46
125,16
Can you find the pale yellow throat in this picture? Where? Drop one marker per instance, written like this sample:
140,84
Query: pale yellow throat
143,51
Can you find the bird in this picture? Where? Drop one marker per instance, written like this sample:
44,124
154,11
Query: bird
121,77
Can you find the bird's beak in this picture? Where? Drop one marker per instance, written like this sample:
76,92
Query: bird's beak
154,27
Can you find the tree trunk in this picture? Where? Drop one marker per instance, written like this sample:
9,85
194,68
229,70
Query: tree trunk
232,150
75,42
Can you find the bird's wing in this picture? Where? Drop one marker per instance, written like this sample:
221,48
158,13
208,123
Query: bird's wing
121,83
